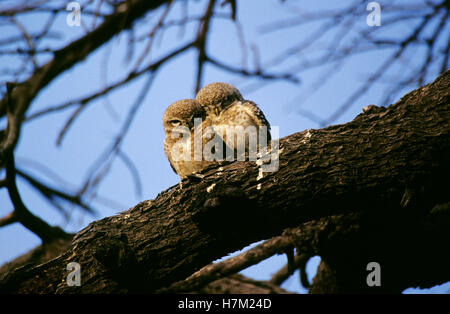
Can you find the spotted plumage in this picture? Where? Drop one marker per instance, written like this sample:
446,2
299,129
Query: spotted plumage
227,110
180,129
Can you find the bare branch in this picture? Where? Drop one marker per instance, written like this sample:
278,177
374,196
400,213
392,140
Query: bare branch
66,57
8,219
212,272
52,193
258,74
130,77
200,42
21,213
102,165
133,170
287,271
155,29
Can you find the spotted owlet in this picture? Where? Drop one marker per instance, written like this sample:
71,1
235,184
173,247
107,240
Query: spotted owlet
180,127
234,117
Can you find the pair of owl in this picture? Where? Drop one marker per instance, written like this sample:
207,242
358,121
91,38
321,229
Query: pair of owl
217,111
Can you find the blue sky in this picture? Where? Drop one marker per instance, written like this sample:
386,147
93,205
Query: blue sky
99,123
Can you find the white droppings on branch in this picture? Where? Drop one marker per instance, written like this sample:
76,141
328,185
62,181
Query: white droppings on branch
306,137
260,174
210,188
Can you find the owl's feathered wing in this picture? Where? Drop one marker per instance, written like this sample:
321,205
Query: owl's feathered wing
244,113
257,116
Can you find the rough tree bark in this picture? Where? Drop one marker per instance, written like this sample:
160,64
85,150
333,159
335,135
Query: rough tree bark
373,189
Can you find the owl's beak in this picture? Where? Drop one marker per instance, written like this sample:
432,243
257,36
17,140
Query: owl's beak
216,110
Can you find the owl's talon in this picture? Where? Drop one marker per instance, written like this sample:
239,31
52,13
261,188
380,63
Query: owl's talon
195,176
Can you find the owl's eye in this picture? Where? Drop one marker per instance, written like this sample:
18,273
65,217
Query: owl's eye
175,122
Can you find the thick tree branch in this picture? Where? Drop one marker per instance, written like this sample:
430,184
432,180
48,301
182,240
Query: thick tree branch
384,173
21,213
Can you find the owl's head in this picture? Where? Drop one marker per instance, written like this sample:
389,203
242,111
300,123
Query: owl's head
216,97
179,116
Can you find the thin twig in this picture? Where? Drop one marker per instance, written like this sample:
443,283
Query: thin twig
130,77
52,193
201,40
